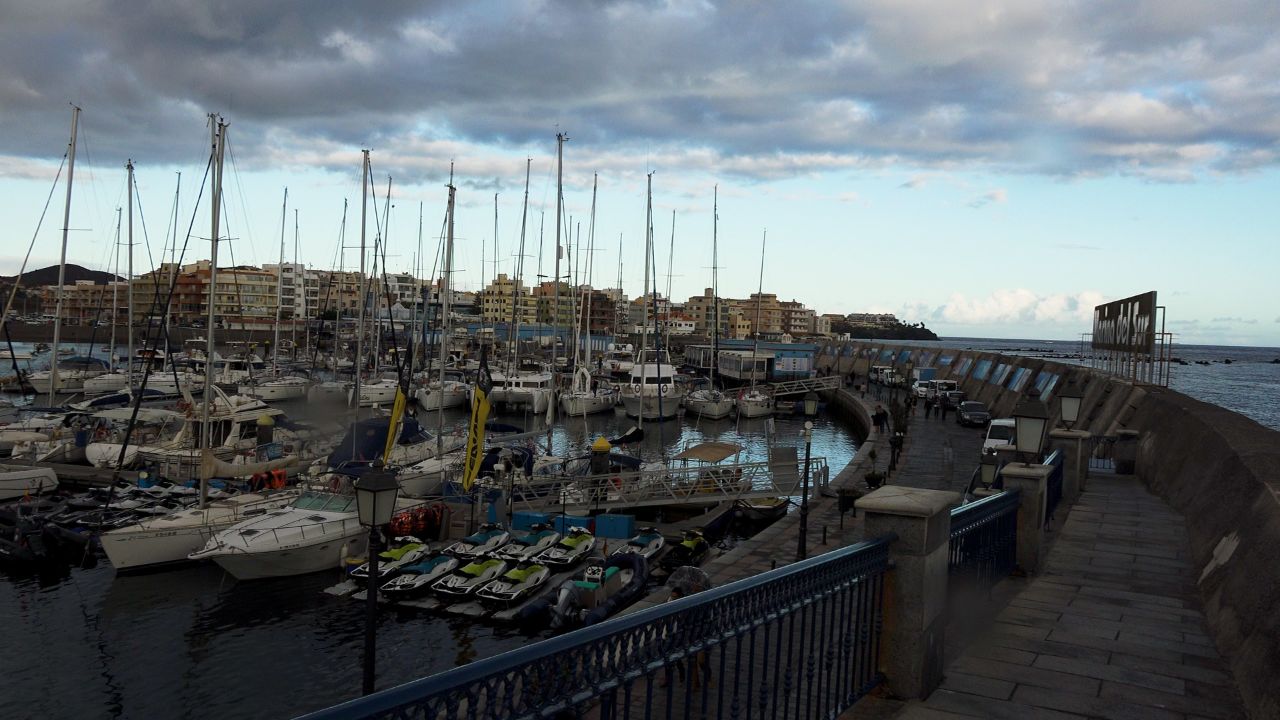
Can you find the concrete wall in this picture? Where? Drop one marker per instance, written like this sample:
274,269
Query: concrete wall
1219,469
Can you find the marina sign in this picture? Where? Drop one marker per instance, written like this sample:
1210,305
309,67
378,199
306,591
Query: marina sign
1126,326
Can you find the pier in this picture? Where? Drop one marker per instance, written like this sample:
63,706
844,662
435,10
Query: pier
1102,582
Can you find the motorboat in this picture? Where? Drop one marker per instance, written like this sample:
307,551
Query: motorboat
516,585
652,393
376,392
525,547
173,537
317,531
275,389
618,359
533,389
753,403
588,396
18,481
151,427
72,372
435,395
569,550
469,578
763,509
708,403
487,539
648,543
691,550
416,579
234,423
408,551
600,591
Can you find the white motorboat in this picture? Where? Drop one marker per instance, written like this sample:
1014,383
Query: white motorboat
179,381
287,387
652,393
316,532
531,389
753,403
708,403
19,481
72,372
587,396
619,359
330,391
376,392
169,539
233,419
434,395
153,426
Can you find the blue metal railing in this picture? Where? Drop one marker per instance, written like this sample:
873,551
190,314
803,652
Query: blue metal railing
984,540
1054,489
801,641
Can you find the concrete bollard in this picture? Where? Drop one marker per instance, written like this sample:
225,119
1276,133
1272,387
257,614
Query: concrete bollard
1071,443
911,650
1033,482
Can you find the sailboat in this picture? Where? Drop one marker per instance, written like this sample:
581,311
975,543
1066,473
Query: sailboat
586,395
651,393
170,538
709,402
278,386
442,392
752,402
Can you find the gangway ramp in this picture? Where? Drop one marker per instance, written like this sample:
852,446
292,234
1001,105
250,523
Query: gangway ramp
797,387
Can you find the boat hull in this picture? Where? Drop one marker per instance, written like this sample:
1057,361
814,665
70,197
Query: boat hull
709,408
648,407
18,482
295,559
575,404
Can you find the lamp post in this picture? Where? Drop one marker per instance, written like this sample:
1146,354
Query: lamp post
802,549
1030,420
1069,400
988,468
376,492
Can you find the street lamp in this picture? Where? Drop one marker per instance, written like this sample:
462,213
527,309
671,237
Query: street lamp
802,550
1030,419
376,492
988,468
1070,398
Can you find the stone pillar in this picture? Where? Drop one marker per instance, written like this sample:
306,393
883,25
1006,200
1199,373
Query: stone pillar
1071,443
911,650
1033,482
1006,454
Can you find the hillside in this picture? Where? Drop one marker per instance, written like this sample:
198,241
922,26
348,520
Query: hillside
49,276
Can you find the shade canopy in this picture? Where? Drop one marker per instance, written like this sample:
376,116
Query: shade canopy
712,452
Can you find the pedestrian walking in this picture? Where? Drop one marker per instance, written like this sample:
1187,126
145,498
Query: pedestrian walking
928,407
943,407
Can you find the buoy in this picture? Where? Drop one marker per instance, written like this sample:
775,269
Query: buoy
601,445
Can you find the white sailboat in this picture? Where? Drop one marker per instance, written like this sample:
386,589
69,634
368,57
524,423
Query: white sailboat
709,402
587,396
277,386
753,402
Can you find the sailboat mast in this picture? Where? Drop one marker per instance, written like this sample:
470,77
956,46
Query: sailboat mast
364,226
115,296
715,283
514,358
591,248
446,296
755,344
555,320
299,286
671,269
644,330
128,363
62,263
206,430
275,341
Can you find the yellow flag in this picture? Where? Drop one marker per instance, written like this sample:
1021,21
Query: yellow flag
393,427
475,437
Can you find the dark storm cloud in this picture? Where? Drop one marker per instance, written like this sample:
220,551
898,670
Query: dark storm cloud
760,90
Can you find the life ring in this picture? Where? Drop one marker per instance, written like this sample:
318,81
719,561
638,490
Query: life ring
636,388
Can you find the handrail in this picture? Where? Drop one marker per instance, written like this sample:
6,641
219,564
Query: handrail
603,663
984,538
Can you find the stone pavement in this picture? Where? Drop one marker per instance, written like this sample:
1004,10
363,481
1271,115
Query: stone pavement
1112,628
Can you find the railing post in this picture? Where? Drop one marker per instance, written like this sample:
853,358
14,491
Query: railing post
1071,443
911,654
1032,481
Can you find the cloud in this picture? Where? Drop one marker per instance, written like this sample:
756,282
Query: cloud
1076,246
915,183
994,196
1235,320
754,91
1011,307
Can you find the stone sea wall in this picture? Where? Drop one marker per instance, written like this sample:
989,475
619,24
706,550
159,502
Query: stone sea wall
1219,469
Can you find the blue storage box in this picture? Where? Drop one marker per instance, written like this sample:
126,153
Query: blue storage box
525,520
562,523
615,526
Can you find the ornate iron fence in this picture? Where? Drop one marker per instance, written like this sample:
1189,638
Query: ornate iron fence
1054,489
984,539
798,642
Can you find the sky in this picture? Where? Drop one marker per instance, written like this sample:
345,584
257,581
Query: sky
992,168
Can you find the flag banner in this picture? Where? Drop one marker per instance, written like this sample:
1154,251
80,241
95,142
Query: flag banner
479,415
393,427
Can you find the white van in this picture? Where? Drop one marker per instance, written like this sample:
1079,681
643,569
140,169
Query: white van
999,432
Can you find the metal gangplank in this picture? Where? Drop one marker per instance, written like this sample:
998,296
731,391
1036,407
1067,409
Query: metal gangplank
692,484
797,387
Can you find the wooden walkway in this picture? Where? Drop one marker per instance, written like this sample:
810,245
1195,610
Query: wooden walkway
1112,628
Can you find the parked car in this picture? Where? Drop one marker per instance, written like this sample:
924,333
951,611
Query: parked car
920,388
999,432
972,413
952,399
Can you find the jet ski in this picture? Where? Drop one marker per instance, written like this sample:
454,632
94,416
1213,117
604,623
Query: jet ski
392,561
515,585
569,550
690,551
416,579
526,547
487,539
600,590
647,544
467,579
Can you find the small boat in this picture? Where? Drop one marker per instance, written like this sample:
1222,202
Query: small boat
393,561
526,547
488,538
416,579
515,585
469,578
647,544
600,591
689,551
763,509
570,549
20,480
